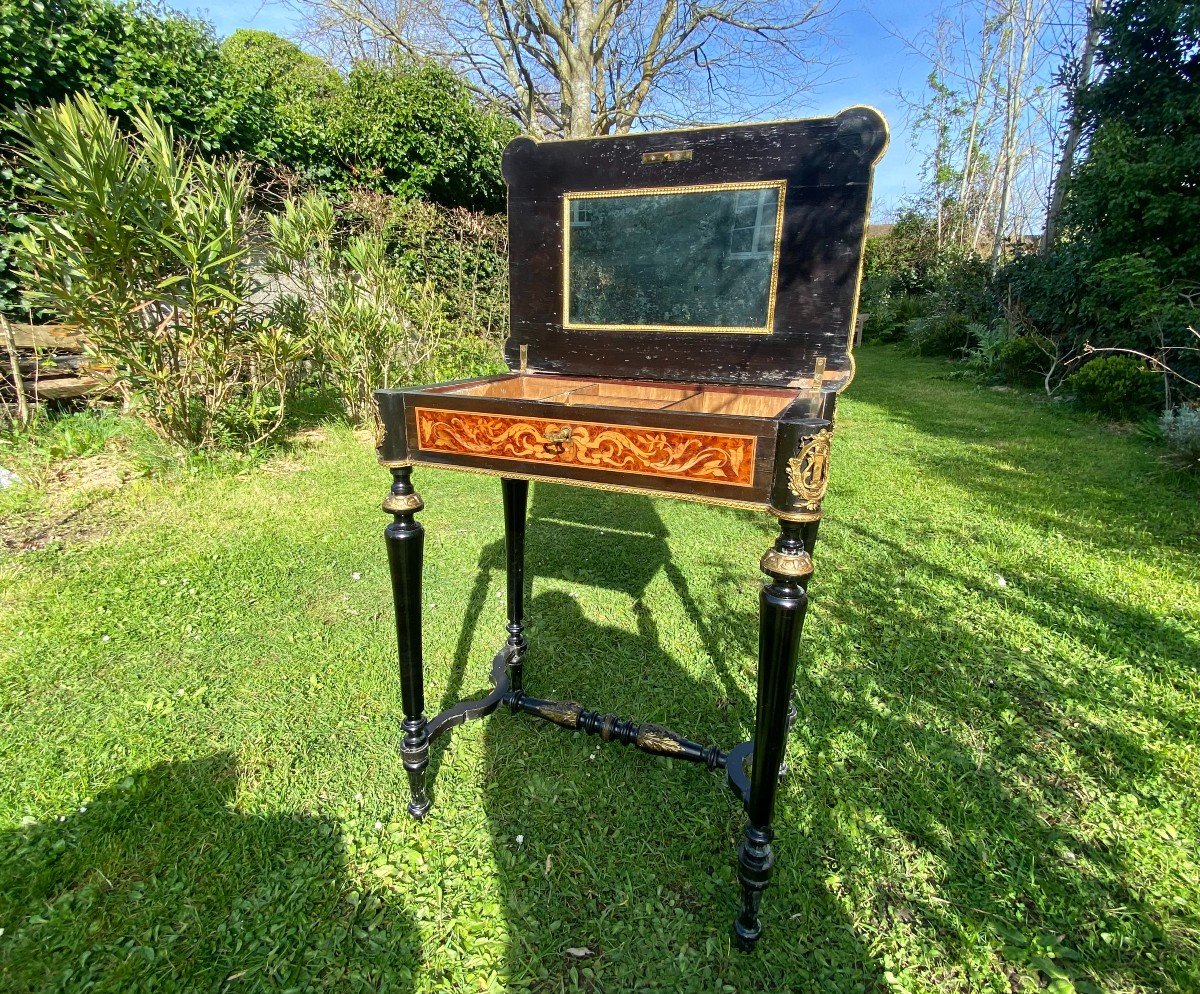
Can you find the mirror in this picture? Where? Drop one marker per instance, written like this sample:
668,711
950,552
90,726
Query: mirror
687,259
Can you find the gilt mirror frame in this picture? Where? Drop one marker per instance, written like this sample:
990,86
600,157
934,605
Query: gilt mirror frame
573,197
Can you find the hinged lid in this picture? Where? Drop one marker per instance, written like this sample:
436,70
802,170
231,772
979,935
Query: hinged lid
729,254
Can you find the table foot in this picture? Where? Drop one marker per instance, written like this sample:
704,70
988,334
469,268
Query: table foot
755,862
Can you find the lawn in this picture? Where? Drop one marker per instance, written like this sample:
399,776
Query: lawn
995,776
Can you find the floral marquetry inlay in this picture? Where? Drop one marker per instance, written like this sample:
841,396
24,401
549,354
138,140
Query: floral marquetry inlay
662,452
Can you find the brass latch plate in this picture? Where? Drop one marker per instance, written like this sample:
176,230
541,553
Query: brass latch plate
676,155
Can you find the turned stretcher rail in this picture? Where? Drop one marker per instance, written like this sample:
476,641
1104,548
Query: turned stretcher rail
654,739
480,708
646,736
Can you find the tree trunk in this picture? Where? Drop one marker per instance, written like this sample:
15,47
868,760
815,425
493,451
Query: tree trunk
10,342
579,121
1074,127
970,154
578,67
1026,30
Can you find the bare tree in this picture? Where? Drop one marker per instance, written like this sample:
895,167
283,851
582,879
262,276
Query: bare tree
348,32
989,118
1078,75
575,68
1024,21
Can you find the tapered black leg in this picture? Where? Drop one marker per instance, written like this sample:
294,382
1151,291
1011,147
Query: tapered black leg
782,604
406,546
808,535
516,497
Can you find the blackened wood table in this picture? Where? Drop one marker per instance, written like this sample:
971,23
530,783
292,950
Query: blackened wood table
682,315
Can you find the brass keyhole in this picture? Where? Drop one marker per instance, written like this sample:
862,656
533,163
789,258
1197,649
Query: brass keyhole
555,440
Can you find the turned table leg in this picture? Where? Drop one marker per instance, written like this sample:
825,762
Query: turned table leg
782,604
808,535
406,545
516,496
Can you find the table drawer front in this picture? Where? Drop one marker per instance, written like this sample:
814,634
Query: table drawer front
702,457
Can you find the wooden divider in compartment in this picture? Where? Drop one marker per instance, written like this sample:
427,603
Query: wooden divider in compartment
760,403
646,396
573,392
520,387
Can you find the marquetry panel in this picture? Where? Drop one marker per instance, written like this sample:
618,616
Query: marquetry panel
702,457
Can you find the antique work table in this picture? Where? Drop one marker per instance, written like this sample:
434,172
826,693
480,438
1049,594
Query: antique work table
682,311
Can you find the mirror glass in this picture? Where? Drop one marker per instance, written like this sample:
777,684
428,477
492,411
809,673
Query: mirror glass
686,260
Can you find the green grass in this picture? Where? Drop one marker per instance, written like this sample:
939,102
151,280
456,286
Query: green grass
69,463
995,774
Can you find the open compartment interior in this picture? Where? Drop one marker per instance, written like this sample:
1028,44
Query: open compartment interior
755,402
518,387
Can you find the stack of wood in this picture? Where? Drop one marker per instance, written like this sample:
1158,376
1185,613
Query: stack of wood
45,362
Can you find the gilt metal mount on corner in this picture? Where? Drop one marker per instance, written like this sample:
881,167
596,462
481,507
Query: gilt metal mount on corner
808,470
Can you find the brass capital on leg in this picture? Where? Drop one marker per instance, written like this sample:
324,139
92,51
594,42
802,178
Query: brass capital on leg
403,498
789,563
403,503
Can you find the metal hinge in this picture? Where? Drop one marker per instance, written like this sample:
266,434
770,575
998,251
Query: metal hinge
524,357
818,372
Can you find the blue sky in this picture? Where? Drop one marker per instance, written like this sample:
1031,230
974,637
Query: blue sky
874,65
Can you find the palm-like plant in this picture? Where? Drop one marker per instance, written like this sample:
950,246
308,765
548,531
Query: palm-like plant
145,246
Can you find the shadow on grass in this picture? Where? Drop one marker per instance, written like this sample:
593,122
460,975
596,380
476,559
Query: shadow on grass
640,852
162,881
986,760
636,854
617,543
960,750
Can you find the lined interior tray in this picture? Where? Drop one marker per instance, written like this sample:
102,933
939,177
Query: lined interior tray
571,392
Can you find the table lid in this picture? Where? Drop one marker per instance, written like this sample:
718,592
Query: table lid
729,254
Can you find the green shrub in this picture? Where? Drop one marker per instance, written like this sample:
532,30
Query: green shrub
983,358
55,436
415,130
1117,386
145,246
464,255
464,356
1124,302
1024,360
1181,432
942,335
124,55
393,291
906,256
889,317
963,284
1128,241
371,326
291,102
